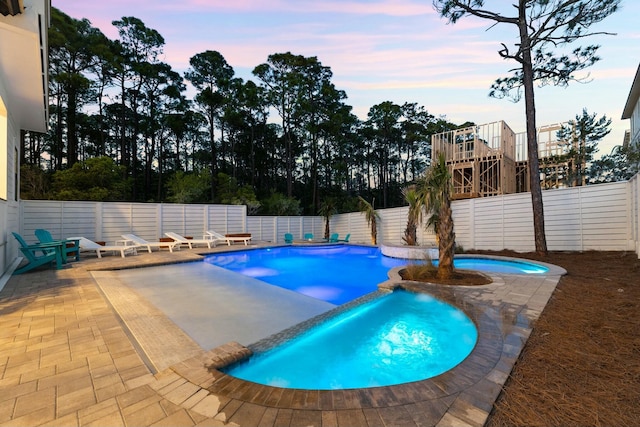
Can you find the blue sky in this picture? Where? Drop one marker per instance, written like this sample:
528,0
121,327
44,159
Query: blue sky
386,50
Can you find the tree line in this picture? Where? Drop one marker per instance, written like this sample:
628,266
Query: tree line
123,128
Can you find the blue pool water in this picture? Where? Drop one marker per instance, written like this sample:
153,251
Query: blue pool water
394,339
333,273
338,273
498,266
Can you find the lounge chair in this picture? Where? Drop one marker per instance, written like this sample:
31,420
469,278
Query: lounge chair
181,240
346,238
288,238
230,238
140,242
333,238
50,253
87,245
308,236
70,247
214,237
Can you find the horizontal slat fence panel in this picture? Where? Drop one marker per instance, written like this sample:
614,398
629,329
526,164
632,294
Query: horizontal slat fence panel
226,218
289,224
597,217
517,223
9,221
173,220
144,221
353,223
634,208
62,219
264,228
107,221
391,225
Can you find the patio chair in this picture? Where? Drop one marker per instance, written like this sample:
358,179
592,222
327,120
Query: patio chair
140,242
308,236
333,238
288,238
181,240
87,245
49,253
230,238
70,247
346,238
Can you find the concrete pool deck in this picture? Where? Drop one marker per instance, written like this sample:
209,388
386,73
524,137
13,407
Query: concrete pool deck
72,354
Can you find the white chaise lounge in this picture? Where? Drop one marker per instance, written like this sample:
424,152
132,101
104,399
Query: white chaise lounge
228,239
181,240
139,241
87,245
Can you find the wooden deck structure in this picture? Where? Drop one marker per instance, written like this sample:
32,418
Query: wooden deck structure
481,159
491,159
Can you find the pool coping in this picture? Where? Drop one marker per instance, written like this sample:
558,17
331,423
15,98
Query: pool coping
504,312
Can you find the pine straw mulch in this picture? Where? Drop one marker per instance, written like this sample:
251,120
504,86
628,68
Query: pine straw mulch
581,364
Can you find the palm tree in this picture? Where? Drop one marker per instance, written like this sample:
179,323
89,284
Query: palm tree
327,209
371,216
414,216
435,188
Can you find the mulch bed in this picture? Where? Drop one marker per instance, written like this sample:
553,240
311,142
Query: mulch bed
581,364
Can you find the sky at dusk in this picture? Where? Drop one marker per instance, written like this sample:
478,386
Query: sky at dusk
387,50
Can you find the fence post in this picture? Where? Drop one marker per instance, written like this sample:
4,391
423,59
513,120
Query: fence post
99,222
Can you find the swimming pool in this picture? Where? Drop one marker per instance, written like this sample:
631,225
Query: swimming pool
397,338
341,273
332,273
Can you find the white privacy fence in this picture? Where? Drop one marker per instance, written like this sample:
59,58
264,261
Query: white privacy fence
597,217
634,208
107,221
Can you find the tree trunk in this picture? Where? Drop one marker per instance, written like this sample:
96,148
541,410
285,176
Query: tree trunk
532,137
410,233
374,231
446,242
212,147
72,132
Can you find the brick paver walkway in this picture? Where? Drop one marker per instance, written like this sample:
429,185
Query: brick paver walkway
65,358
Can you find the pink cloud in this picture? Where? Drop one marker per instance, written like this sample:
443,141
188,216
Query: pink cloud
382,7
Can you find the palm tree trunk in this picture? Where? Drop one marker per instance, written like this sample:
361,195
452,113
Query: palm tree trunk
446,242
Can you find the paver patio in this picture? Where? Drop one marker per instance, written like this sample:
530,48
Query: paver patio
67,358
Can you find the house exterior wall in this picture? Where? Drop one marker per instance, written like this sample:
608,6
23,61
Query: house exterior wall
635,125
631,110
23,106
9,218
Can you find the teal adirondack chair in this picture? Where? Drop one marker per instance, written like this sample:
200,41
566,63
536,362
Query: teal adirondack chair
333,238
71,246
308,236
346,238
39,254
288,238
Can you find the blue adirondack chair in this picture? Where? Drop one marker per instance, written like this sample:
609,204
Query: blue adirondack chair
39,254
333,238
70,247
308,236
288,238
